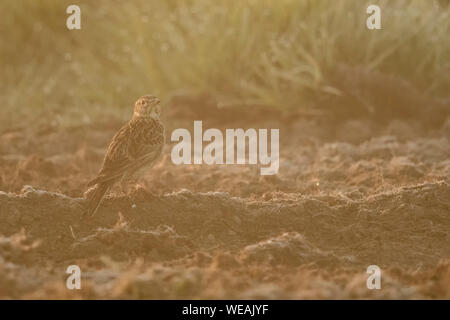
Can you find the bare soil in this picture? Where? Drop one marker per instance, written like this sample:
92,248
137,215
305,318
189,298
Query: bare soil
349,194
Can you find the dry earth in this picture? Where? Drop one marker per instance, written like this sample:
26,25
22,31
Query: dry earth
349,194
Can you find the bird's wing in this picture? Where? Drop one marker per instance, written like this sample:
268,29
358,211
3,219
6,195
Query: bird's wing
130,147
116,158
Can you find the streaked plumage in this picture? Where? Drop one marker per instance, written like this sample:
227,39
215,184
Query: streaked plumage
133,149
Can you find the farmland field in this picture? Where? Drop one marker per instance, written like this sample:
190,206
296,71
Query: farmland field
364,173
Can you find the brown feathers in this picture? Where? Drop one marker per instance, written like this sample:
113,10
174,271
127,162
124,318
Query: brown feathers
135,147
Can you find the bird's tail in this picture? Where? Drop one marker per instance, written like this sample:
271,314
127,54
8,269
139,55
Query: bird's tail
94,198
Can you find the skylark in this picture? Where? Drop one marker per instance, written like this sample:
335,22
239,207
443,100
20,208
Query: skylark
133,149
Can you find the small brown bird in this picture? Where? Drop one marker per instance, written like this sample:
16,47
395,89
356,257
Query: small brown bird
133,149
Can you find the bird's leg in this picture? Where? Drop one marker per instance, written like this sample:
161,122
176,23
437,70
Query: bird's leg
129,185
123,186
147,190
139,185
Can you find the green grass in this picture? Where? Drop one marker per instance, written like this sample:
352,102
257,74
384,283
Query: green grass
279,53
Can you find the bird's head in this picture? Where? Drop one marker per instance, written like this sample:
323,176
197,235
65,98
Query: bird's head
147,107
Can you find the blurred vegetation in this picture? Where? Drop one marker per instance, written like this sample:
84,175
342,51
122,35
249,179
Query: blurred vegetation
280,53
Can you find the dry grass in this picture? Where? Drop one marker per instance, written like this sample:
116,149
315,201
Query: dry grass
279,53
